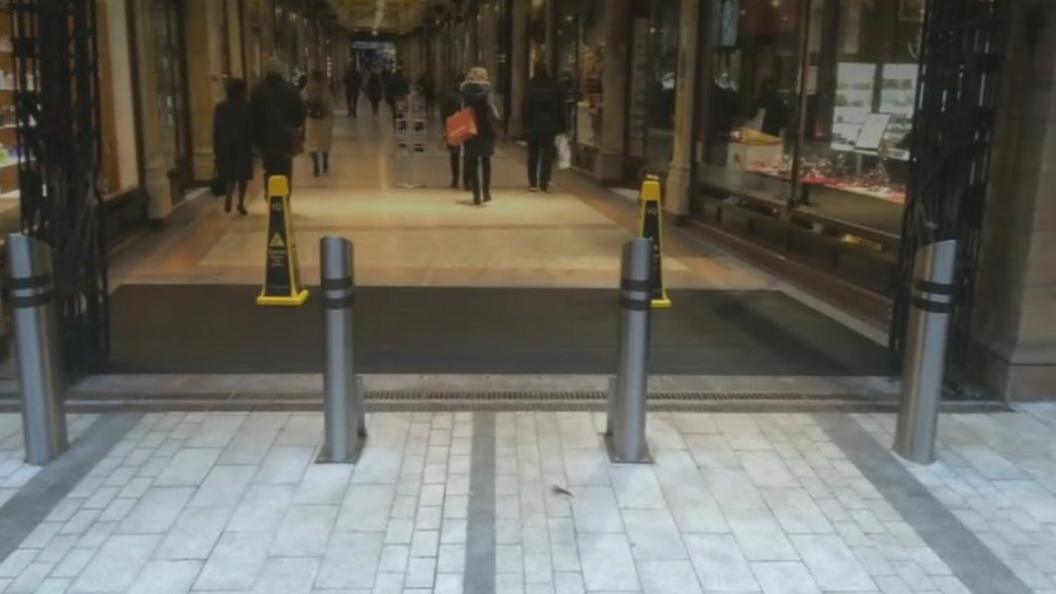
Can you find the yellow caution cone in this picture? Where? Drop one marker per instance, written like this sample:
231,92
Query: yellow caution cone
282,282
652,229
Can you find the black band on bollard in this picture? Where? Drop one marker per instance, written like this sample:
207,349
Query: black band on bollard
635,304
18,302
934,288
932,306
337,284
635,285
30,282
339,302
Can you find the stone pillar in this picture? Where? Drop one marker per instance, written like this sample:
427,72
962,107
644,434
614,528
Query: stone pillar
202,28
616,23
518,63
235,43
1013,330
156,157
680,173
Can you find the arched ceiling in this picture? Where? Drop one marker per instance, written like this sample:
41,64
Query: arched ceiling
388,16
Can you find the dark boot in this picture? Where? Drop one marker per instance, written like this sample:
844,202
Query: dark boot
326,162
315,164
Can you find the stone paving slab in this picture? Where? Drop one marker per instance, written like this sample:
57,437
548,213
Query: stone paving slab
527,502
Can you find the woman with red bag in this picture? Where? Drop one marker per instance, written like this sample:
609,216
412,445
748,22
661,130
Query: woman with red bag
476,94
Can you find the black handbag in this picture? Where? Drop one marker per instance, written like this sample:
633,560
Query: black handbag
217,187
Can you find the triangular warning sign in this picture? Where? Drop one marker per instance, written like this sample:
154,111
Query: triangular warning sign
276,241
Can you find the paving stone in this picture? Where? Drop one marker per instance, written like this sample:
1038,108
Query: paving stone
351,561
166,577
832,563
304,531
235,562
284,465
366,507
719,563
760,536
595,509
156,511
293,575
193,535
785,578
261,509
663,577
607,562
223,486
115,567
653,535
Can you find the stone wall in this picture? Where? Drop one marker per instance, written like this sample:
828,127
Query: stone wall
1015,316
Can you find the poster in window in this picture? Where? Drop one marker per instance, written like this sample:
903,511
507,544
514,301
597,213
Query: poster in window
855,85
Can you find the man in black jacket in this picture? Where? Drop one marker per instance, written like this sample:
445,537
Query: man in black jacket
543,114
278,114
353,85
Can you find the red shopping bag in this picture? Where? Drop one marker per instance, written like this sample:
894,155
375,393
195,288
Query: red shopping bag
461,127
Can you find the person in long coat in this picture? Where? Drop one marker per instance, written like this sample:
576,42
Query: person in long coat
233,143
543,115
476,93
319,126
278,114
375,90
353,86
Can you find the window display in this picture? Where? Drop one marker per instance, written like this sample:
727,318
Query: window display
580,58
846,157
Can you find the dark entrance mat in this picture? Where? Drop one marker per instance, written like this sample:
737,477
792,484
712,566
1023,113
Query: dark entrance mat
219,329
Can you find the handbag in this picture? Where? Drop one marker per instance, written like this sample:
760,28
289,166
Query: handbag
564,153
217,186
462,127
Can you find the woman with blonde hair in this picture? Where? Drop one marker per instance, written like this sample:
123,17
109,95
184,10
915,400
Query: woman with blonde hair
476,93
319,127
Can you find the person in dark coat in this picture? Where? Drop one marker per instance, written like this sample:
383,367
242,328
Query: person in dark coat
427,89
398,89
450,104
476,93
543,114
353,85
233,143
278,115
375,90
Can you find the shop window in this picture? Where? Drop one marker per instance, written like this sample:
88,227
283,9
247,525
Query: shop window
580,60
812,111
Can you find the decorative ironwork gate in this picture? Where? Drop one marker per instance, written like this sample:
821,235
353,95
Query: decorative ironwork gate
953,130
57,109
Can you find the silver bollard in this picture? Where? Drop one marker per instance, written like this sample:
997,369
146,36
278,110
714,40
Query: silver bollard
625,432
924,366
37,347
345,427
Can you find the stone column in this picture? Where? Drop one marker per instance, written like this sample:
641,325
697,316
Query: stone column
680,173
156,157
1014,331
204,71
617,19
518,62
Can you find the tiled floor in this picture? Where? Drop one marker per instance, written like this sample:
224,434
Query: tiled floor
431,236
528,502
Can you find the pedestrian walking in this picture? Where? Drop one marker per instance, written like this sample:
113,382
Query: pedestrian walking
353,86
233,143
543,114
427,89
398,89
375,90
278,115
450,104
476,93
319,128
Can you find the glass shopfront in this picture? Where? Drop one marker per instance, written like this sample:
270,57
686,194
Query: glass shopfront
653,83
580,56
808,107
171,86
